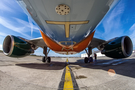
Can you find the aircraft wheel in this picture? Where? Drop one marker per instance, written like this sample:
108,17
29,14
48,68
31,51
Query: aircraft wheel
43,59
86,60
91,59
48,59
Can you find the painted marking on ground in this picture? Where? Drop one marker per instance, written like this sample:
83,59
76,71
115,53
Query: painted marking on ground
112,61
68,81
67,61
119,62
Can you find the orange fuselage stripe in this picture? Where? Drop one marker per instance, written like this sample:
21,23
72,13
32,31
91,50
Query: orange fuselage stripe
84,43
50,43
58,47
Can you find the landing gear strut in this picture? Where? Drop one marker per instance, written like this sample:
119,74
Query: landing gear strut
45,58
88,59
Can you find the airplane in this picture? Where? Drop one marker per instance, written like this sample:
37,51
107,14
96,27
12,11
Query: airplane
67,27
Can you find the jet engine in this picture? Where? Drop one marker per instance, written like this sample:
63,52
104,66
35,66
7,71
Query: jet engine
120,47
15,47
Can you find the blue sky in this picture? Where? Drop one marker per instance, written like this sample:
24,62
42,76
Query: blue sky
120,21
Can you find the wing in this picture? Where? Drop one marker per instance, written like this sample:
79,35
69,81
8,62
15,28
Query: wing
97,43
38,42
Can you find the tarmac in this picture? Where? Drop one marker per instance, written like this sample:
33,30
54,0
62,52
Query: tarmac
29,73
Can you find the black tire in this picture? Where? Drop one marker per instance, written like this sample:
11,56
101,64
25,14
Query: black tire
48,59
85,60
91,59
43,59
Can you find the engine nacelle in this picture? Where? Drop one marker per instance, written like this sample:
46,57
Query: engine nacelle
16,47
121,47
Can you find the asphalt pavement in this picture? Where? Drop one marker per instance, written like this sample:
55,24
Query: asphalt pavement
29,73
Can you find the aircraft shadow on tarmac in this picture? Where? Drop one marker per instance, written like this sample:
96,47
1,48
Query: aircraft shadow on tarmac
125,67
44,66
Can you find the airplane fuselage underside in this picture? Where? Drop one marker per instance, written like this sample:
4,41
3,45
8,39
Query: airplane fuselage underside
67,26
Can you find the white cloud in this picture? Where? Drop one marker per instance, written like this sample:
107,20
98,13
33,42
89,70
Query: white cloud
132,35
27,24
8,24
132,28
112,22
4,7
0,46
3,34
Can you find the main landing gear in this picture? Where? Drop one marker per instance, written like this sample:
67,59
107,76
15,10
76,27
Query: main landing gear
48,59
45,58
88,59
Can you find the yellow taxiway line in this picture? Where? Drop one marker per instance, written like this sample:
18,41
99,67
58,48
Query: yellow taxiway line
68,84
